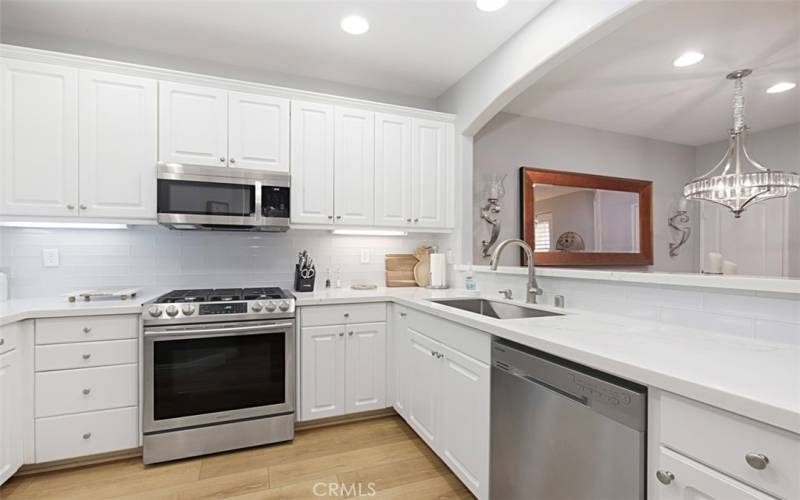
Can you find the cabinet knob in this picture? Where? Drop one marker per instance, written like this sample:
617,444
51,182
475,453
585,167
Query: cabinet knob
403,315
2,341
416,220
341,334
87,356
83,207
86,329
70,207
665,476
330,217
338,217
233,160
87,435
346,315
222,159
757,460
350,333
408,220
86,391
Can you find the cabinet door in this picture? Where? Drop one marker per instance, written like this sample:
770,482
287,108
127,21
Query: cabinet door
464,419
312,163
118,141
258,132
322,371
424,368
365,381
39,127
429,166
10,416
392,170
192,125
694,481
354,167
399,369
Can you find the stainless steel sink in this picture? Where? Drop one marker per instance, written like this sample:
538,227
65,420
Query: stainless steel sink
495,308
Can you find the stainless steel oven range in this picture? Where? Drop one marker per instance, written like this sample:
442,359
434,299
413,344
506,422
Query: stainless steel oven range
219,371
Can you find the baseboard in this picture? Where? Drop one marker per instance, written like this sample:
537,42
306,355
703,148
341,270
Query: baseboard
101,458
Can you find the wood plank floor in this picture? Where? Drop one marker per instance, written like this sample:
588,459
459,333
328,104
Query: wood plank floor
383,453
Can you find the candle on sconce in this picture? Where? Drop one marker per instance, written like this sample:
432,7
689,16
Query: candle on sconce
683,204
728,267
714,263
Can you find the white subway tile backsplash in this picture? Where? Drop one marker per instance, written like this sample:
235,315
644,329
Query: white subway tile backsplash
157,257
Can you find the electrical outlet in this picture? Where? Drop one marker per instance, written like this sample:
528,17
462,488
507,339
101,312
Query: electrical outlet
50,257
365,255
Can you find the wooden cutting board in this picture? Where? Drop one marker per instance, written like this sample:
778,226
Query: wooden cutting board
400,269
422,271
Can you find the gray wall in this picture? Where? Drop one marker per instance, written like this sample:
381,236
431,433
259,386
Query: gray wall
509,141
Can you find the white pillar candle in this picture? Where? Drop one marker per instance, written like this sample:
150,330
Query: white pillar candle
714,264
728,267
682,204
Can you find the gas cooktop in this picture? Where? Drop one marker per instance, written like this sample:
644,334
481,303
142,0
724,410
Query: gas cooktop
205,305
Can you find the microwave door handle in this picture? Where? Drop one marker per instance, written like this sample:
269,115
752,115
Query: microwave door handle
217,332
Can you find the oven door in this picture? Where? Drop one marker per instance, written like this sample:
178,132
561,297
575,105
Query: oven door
202,374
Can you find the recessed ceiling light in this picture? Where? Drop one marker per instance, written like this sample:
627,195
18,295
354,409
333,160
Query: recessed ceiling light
491,5
687,59
355,25
781,87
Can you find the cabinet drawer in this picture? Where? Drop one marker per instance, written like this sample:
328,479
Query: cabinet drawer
72,436
86,389
86,328
474,343
343,313
722,440
85,354
9,336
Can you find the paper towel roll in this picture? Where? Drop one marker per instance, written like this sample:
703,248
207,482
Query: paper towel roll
3,287
438,270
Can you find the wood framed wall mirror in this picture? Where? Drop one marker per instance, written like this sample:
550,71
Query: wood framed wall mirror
573,219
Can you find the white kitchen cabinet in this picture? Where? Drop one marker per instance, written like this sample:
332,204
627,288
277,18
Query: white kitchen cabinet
11,440
398,360
392,170
424,387
365,361
322,371
258,132
39,127
465,390
312,161
689,480
193,124
118,153
431,158
354,167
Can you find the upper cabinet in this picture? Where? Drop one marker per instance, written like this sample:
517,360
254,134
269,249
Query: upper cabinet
215,128
392,170
431,162
193,125
117,124
39,139
77,143
312,163
354,166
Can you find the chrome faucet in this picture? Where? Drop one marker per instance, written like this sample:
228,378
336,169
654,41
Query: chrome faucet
533,286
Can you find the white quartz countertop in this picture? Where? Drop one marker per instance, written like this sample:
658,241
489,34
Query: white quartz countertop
754,378
757,379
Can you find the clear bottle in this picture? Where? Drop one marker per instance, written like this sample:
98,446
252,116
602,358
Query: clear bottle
469,282
338,278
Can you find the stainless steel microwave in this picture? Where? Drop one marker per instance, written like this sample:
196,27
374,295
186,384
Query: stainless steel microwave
222,199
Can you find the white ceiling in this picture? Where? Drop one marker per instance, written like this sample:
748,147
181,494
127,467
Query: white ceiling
413,47
626,82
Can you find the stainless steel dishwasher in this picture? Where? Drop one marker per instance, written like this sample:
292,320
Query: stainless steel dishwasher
563,431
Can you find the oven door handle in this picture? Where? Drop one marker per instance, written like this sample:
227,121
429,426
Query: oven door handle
217,332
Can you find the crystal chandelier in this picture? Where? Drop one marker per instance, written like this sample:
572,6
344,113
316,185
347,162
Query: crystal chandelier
738,181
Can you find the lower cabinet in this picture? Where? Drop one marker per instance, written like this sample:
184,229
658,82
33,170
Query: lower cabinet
343,365
444,393
83,434
10,415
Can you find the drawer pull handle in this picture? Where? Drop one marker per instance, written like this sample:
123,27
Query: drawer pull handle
665,476
87,356
87,435
2,341
403,315
86,329
86,391
757,461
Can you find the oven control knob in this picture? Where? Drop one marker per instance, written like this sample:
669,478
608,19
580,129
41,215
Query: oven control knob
284,306
187,309
270,306
172,310
257,306
154,311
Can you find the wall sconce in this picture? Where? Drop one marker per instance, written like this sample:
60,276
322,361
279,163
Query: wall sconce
489,213
679,221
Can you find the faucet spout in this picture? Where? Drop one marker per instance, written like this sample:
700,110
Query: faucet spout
533,286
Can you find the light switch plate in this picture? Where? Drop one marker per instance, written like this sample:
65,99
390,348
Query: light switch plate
50,257
365,255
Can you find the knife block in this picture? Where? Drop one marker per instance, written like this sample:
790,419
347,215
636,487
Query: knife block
303,284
